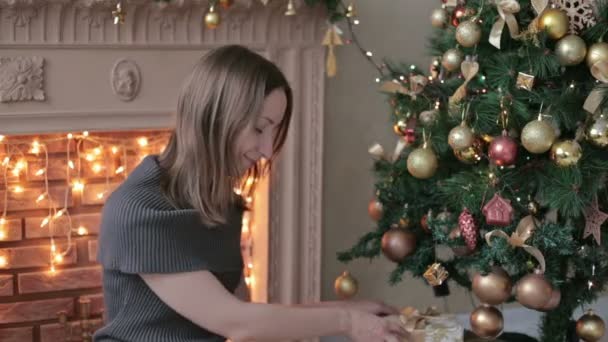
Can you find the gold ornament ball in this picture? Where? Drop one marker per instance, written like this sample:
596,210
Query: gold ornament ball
375,209
555,22
468,33
486,321
538,136
596,53
212,19
473,154
533,291
452,59
346,286
590,327
597,132
422,163
400,127
571,50
439,18
533,207
553,303
566,153
461,137
397,244
493,288
428,117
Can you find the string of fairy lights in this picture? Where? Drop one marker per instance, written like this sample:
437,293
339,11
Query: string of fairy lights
103,157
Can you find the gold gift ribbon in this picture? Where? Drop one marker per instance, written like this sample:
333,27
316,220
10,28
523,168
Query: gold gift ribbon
469,69
416,82
506,10
518,239
331,39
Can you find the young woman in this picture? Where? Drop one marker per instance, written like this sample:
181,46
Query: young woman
170,234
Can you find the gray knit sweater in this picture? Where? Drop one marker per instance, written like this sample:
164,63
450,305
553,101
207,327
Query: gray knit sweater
141,232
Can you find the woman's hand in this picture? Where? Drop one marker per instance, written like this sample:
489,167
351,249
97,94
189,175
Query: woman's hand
366,327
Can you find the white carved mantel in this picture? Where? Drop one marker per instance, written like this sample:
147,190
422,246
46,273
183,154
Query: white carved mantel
74,49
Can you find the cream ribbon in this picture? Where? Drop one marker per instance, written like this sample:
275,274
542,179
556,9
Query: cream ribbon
519,238
506,10
416,82
469,69
377,151
594,100
599,70
451,3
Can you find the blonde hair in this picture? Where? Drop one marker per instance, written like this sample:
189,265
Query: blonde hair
223,94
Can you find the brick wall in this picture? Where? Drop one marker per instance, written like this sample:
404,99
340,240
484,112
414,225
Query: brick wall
31,295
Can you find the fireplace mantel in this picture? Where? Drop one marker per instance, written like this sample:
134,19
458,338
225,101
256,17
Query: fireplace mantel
64,66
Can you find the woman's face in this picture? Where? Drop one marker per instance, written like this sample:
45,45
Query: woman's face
256,141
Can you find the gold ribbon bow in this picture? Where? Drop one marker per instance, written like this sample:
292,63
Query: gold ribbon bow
416,82
469,69
506,10
332,39
594,100
599,70
522,233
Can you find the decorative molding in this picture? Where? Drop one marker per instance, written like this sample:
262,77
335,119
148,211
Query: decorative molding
125,79
21,79
77,22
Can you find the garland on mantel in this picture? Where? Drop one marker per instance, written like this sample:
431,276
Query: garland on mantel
336,11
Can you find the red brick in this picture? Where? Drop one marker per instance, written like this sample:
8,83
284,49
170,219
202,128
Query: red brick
58,143
61,225
10,178
64,279
27,199
11,230
93,250
35,256
24,334
97,306
91,191
34,310
55,332
6,286
56,170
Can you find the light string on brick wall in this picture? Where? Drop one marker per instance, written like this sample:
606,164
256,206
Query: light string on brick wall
99,158
245,190
15,161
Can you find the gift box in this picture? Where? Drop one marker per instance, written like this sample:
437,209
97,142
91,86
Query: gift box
431,326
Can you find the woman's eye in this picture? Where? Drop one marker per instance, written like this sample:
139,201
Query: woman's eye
259,131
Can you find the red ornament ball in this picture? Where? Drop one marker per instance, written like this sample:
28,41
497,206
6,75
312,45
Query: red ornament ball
503,150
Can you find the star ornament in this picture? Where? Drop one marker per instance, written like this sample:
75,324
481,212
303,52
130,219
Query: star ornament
594,219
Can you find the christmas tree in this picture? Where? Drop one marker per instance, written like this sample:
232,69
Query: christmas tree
501,158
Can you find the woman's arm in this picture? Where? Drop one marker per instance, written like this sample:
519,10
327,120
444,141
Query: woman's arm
202,299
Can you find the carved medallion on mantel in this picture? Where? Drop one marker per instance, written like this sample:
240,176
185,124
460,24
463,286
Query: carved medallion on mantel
21,79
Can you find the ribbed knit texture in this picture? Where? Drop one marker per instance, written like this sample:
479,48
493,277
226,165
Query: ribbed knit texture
141,232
